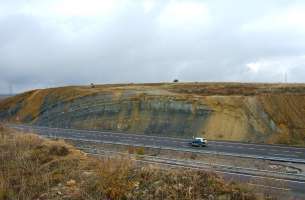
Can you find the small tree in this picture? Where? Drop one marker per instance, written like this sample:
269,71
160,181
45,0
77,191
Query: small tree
176,81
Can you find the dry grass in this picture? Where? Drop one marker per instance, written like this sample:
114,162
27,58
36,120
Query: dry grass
35,168
31,166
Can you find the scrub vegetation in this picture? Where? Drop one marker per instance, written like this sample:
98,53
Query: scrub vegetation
36,168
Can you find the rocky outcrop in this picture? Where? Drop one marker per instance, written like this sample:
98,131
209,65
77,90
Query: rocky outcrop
240,112
162,115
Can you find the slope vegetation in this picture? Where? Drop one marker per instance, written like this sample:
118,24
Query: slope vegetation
268,113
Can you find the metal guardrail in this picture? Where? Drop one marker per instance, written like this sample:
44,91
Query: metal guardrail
207,166
271,158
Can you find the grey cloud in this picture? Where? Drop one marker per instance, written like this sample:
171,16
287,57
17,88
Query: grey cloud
131,46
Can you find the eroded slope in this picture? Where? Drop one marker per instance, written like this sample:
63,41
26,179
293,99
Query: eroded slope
271,113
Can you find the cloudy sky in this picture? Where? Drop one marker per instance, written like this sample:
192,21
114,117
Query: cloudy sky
47,43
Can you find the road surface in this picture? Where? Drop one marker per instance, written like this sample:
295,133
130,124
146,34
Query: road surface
258,151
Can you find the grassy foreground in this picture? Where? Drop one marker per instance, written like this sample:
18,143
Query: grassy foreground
36,168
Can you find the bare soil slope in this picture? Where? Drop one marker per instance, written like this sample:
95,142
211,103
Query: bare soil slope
269,113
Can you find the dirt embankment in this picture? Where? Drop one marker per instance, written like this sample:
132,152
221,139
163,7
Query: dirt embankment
267,113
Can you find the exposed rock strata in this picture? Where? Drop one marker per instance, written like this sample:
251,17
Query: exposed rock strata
241,112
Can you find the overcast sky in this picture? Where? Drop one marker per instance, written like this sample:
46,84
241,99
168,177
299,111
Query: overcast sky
47,43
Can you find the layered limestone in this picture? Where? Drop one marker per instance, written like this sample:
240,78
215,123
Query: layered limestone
269,113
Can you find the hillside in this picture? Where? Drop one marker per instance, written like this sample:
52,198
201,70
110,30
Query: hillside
269,113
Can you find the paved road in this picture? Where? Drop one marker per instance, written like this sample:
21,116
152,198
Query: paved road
271,152
286,187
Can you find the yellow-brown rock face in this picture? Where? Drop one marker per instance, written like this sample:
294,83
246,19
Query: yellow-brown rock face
270,113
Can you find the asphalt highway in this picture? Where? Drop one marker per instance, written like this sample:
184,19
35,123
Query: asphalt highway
259,151
269,152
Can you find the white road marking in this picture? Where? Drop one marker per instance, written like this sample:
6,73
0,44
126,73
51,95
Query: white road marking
265,186
216,145
278,154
